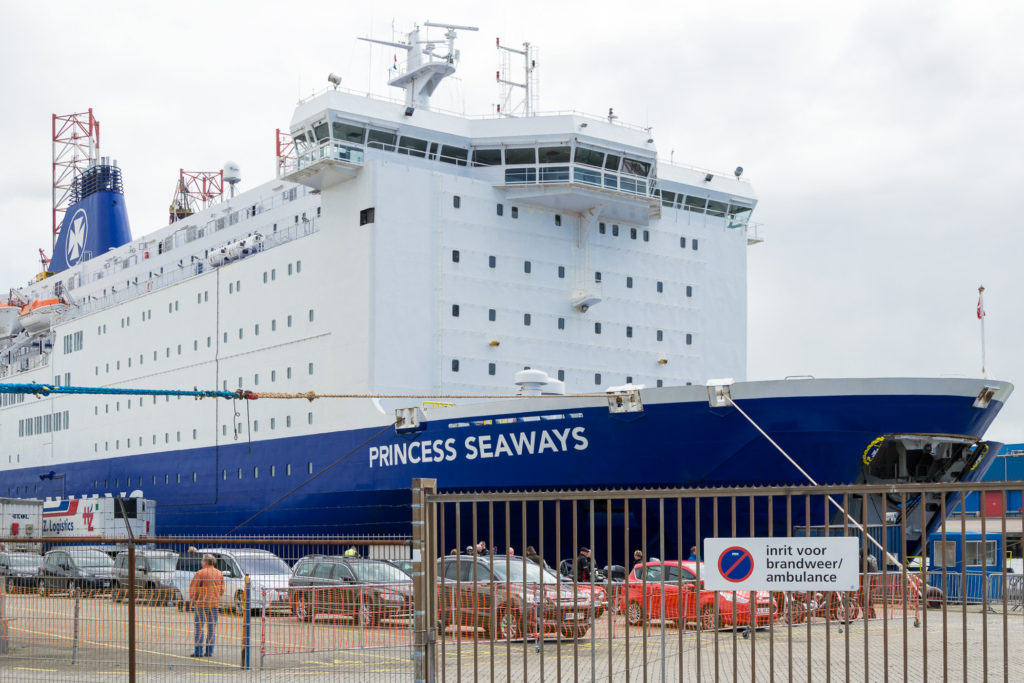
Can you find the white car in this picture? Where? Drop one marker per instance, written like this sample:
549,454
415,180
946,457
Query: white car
268,577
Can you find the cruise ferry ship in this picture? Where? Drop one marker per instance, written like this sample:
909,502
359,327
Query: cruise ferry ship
578,289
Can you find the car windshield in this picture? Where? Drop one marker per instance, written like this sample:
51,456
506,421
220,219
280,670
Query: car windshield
515,571
162,563
378,572
91,558
263,564
22,560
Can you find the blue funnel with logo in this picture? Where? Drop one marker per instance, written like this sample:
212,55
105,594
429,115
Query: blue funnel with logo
96,222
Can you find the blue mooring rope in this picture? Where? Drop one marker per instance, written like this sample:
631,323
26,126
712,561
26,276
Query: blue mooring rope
40,390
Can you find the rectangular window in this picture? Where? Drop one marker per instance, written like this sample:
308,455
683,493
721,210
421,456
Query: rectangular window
659,383
558,219
309,467
629,282
381,140
492,261
561,272
693,242
660,287
455,255
601,228
289,269
647,235
455,365
597,378
412,146
689,290
455,310
454,155
289,321
526,318
487,157
597,328
597,276
366,216
501,209
298,264
561,323
682,243
629,331
521,155
661,335
457,201
561,375
492,314
615,230
632,233
526,266
310,320
515,212
689,339
311,368
491,368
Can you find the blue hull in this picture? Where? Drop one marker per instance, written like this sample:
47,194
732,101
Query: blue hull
351,492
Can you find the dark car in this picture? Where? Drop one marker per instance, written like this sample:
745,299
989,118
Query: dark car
20,571
80,568
154,576
367,591
505,597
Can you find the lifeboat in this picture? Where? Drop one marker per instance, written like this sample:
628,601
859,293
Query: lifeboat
41,314
10,324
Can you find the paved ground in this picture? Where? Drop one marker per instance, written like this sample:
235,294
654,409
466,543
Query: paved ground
943,647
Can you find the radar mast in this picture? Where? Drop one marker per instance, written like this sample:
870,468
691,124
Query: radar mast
424,70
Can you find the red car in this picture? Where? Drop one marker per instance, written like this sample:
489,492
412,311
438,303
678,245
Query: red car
643,601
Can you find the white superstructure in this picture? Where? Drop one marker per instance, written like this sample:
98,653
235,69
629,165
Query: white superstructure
402,250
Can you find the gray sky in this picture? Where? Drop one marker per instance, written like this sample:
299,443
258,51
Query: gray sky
884,139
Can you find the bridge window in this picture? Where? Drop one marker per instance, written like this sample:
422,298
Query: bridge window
454,155
381,140
486,157
348,132
554,155
636,167
695,204
521,155
590,157
412,146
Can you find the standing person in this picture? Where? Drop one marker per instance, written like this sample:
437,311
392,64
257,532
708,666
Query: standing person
638,557
693,553
583,566
205,592
532,556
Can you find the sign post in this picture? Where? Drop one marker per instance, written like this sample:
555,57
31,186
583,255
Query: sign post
782,564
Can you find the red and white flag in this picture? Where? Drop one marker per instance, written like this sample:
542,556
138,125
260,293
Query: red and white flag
981,309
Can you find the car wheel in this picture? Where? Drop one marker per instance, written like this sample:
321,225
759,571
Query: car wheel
710,620
238,605
302,608
634,613
366,616
507,626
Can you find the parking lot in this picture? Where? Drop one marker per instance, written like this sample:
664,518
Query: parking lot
41,636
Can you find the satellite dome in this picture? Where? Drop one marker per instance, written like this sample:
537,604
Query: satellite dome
232,174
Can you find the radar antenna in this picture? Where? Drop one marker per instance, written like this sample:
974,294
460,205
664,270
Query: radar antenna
424,70
528,105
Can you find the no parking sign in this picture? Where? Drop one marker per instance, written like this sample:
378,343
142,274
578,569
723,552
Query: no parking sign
825,564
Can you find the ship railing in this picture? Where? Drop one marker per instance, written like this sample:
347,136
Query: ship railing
329,148
196,265
548,174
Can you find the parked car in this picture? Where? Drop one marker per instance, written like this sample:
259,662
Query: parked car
81,568
268,578
508,602
404,565
367,591
154,576
595,595
20,570
685,602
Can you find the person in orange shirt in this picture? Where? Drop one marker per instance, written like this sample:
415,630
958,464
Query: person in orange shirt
205,592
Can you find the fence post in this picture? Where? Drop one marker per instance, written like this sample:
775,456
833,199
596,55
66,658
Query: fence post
131,610
74,633
4,646
423,584
246,633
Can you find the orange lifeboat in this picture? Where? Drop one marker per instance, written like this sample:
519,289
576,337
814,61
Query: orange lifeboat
41,314
10,324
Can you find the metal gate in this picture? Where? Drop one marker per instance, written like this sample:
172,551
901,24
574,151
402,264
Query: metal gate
609,591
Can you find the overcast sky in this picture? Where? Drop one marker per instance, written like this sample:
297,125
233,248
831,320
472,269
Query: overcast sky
883,139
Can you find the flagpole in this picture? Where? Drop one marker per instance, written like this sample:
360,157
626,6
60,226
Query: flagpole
981,317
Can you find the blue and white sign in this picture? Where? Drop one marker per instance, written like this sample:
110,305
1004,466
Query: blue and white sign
79,231
785,564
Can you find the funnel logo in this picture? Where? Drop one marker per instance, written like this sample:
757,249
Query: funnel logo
75,245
